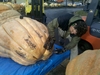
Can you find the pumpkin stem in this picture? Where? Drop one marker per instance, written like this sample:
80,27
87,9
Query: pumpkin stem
21,17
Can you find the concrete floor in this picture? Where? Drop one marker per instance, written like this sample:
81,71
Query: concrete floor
60,69
55,12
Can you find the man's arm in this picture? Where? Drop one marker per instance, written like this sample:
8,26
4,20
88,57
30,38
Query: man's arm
73,43
51,27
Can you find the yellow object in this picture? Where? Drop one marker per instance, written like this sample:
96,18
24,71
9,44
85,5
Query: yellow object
28,7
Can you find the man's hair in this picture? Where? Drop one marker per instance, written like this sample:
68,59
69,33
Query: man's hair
81,27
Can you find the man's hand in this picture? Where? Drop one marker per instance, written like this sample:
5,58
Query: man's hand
60,51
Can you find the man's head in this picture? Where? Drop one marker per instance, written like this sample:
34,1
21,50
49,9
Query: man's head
78,28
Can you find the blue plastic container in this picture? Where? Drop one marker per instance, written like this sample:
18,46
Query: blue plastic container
9,67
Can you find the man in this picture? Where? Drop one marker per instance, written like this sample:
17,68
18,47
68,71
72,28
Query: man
69,27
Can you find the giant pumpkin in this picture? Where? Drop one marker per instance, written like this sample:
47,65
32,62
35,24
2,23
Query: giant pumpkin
9,6
4,7
22,39
87,63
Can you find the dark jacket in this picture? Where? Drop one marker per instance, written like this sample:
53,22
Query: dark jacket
63,21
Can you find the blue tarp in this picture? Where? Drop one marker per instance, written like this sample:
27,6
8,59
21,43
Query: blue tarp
9,67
